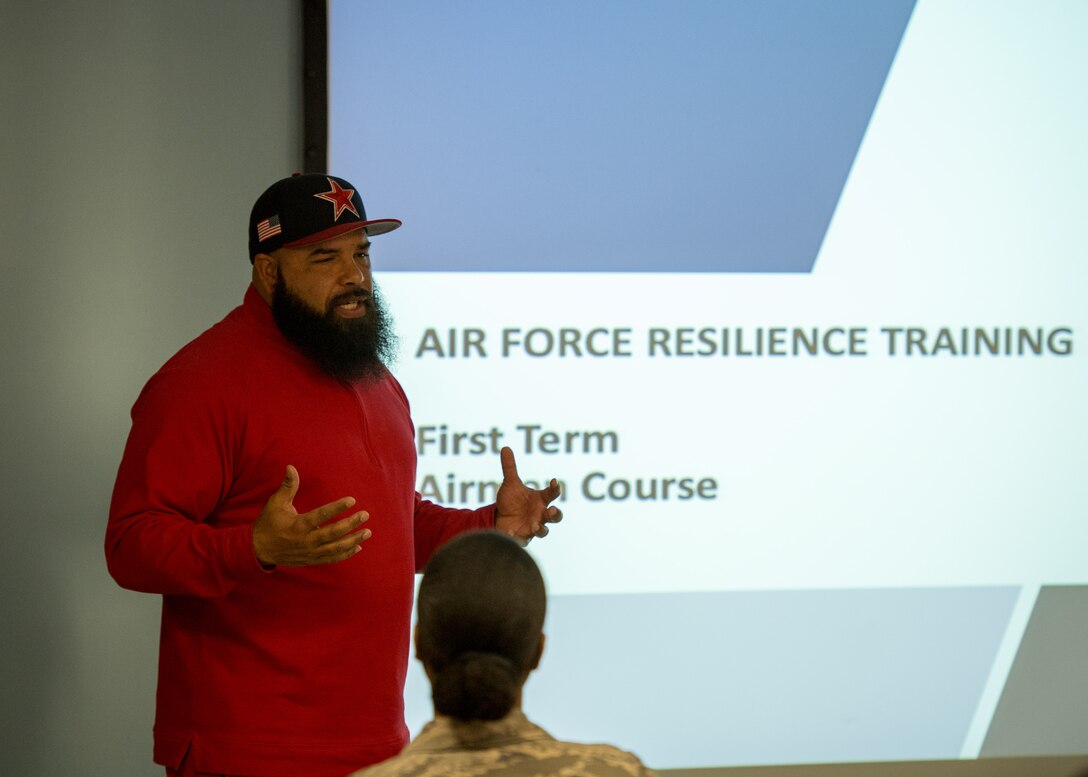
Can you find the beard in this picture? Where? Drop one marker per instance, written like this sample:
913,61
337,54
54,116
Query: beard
350,349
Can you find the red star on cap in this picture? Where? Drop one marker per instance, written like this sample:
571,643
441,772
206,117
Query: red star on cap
340,198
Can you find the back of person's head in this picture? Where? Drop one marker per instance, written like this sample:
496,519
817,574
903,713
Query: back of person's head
480,624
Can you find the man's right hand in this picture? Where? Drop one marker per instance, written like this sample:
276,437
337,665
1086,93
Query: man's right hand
282,537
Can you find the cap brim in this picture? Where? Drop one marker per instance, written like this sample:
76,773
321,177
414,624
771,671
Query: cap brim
375,227
381,226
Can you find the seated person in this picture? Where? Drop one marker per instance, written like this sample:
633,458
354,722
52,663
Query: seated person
479,634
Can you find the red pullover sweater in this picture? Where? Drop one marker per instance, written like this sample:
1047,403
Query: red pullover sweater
293,671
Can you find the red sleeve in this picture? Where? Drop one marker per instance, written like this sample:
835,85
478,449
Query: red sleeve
435,525
176,467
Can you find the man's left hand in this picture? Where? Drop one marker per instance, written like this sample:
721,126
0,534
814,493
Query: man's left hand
520,511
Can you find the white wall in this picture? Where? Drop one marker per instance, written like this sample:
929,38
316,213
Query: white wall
136,135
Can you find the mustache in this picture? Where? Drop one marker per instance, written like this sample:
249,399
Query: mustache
356,295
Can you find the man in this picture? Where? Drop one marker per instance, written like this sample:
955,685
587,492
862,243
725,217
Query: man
255,457
479,635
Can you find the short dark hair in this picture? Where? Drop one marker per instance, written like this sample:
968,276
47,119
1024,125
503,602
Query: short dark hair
480,617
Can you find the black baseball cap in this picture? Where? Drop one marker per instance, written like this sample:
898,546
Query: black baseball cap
307,209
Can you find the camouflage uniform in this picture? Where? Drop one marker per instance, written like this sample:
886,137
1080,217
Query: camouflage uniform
511,747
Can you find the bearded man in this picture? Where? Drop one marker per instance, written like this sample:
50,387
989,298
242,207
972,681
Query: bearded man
256,455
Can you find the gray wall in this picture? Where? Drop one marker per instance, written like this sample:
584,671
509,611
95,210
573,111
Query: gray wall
136,135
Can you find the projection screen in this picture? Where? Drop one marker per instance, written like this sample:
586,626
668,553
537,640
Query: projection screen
787,295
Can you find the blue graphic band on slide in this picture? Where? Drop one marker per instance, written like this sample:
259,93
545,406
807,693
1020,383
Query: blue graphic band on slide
611,136
767,677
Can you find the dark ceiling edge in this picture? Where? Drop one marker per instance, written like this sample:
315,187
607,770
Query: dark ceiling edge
315,86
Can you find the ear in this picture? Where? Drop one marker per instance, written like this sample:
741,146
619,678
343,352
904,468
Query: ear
415,649
266,272
539,653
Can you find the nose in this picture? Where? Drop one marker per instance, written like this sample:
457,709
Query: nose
353,273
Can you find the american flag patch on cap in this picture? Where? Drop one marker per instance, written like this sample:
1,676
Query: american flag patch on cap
268,228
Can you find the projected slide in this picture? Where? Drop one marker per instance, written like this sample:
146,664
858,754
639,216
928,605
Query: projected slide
791,297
